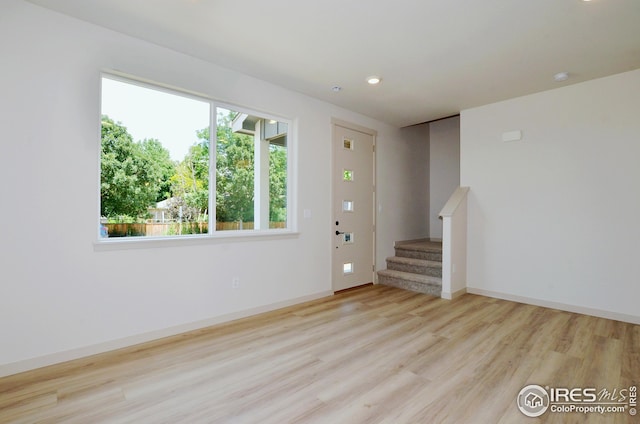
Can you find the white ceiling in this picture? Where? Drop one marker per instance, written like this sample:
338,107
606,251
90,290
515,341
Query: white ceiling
436,57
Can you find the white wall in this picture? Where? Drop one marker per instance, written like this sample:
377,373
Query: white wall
402,190
60,298
416,177
444,168
555,217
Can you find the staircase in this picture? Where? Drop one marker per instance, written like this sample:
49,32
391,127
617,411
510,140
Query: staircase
417,266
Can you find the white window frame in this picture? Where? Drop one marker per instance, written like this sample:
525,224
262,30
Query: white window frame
212,236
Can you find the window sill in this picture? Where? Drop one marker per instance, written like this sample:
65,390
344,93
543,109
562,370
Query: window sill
126,243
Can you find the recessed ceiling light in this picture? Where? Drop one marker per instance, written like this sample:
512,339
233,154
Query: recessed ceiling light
561,76
336,88
374,79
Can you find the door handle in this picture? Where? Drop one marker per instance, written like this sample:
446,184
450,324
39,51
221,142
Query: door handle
339,232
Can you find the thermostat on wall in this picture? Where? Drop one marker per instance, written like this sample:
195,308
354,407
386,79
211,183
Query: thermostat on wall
512,136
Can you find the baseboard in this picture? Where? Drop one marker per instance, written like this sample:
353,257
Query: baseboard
633,319
434,239
353,288
68,355
451,296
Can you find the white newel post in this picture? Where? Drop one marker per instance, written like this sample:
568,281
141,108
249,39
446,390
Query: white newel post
454,244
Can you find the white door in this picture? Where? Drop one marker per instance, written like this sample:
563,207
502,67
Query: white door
353,207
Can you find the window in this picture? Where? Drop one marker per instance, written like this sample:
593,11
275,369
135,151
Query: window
347,206
172,164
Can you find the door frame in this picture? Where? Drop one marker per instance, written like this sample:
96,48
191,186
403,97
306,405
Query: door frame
374,134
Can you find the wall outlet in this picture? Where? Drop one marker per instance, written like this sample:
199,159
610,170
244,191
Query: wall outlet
235,282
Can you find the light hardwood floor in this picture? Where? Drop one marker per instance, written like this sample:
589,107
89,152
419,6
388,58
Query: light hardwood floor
371,355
